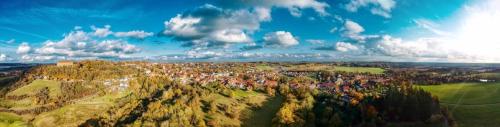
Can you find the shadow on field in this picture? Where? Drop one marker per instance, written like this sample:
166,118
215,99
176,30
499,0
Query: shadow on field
263,116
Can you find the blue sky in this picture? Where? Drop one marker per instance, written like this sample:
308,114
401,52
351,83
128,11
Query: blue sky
250,30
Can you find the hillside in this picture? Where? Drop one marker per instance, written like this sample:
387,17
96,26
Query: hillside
103,93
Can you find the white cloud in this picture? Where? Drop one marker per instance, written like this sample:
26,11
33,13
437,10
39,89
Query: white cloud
345,47
353,30
333,30
204,54
139,34
24,48
3,57
316,41
182,27
280,39
471,37
352,27
319,7
431,26
106,31
80,44
295,7
264,14
381,12
221,55
231,36
38,58
101,32
378,7
210,26
424,48
10,41
77,27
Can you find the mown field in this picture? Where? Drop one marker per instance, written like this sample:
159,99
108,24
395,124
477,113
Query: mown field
471,104
37,85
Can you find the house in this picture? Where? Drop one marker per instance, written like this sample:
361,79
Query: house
65,63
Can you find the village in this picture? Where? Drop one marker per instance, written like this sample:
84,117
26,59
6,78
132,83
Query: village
349,86
292,86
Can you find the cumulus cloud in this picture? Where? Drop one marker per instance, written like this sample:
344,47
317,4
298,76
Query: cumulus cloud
24,48
436,48
183,27
345,47
209,26
39,58
139,34
78,44
341,47
352,28
353,32
3,57
106,31
295,7
377,7
101,32
264,14
280,39
243,56
316,41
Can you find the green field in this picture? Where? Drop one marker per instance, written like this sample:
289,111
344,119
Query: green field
75,114
264,67
372,70
37,85
11,120
471,104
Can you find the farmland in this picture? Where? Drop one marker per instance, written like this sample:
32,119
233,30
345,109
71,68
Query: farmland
322,67
471,104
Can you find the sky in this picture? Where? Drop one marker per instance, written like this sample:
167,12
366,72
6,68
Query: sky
251,30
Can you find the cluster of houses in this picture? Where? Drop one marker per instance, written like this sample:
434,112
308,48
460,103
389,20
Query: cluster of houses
236,75
247,76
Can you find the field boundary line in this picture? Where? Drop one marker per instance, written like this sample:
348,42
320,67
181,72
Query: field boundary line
459,99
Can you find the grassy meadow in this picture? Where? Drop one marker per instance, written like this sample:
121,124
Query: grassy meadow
372,70
37,85
11,120
471,104
81,110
